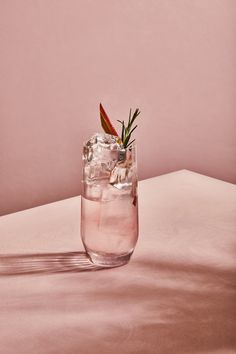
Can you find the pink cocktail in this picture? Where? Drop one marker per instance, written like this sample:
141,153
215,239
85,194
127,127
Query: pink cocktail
109,207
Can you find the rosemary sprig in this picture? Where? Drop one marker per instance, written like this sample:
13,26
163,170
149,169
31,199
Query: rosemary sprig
126,131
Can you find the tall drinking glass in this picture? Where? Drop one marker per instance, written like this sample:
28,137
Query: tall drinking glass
109,203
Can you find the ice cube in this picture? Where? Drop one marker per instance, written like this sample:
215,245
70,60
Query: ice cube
122,175
92,191
96,171
110,193
102,148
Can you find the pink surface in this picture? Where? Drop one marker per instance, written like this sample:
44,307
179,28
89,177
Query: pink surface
175,60
177,295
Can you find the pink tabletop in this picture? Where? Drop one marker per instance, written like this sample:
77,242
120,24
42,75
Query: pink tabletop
177,294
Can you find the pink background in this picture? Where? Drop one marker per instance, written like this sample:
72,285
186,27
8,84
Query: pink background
175,60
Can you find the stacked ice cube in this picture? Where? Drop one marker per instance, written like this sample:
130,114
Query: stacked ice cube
107,169
100,154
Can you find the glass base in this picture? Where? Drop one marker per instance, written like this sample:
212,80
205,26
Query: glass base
109,260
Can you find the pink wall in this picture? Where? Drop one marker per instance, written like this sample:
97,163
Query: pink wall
175,60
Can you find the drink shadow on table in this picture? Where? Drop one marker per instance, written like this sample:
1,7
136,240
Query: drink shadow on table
177,307
39,263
